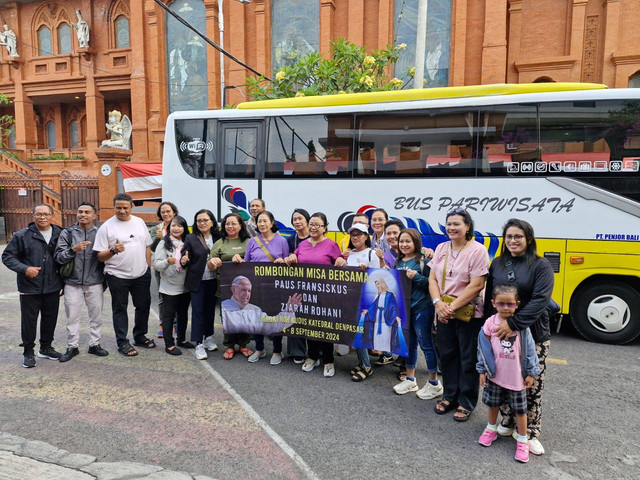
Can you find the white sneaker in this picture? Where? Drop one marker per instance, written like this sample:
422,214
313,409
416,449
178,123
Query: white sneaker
201,353
535,446
276,359
506,431
210,344
329,370
405,386
257,355
430,391
309,365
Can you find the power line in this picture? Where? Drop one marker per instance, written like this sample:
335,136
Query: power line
206,39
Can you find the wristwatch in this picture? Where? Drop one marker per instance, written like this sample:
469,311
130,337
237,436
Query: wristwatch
436,300
113,251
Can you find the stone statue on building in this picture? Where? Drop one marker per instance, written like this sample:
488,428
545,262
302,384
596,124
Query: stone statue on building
82,30
8,39
119,129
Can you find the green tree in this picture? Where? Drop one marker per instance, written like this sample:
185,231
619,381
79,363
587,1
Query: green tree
349,69
6,122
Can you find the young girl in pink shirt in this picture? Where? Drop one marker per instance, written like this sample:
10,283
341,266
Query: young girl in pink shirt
506,368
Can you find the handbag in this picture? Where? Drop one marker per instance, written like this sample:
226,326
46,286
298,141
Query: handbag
66,270
465,313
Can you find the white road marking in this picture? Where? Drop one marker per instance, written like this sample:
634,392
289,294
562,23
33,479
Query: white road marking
286,448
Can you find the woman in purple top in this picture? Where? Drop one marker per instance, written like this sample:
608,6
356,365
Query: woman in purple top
320,250
267,246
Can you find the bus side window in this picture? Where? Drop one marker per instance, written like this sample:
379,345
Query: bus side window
195,144
309,146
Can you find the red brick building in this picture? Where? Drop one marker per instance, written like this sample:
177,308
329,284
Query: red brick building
144,65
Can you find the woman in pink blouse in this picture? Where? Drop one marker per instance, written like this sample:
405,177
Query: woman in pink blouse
458,268
320,250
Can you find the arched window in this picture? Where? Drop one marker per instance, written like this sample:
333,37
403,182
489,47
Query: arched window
634,80
44,41
64,38
51,135
295,31
73,134
122,32
187,57
437,53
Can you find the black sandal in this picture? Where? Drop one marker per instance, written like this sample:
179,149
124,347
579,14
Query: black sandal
146,343
362,374
127,350
356,369
462,411
446,405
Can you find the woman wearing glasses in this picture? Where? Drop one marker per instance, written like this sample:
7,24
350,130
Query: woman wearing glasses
458,270
201,281
231,248
320,250
520,265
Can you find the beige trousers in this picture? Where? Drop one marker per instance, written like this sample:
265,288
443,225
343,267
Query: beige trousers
74,297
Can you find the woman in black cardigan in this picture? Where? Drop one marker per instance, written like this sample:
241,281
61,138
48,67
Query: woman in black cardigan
520,265
201,281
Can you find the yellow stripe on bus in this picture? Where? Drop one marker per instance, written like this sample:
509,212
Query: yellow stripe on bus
420,94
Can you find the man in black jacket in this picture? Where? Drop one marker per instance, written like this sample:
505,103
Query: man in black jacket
30,255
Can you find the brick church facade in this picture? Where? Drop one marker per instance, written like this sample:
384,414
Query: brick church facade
145,65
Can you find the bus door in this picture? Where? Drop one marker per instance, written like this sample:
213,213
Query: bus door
242,154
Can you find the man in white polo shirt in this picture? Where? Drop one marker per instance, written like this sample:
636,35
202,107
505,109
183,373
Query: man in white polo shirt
123,244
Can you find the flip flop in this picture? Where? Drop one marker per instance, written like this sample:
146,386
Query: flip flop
228,354
246,352
446,405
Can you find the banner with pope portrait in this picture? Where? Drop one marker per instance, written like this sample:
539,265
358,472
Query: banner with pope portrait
347,305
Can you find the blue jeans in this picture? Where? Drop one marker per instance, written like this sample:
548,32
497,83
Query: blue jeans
363,356
203,304
420,334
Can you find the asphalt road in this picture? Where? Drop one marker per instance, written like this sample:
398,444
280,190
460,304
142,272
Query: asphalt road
232,419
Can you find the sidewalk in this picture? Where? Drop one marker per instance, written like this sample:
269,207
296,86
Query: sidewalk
32,459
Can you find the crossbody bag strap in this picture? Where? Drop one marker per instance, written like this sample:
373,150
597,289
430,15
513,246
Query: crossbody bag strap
264,249
444,270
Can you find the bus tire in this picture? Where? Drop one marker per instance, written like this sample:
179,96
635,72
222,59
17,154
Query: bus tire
607,313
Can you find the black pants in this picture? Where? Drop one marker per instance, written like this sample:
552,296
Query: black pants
314,348
45,305
175,306
458,345
141,296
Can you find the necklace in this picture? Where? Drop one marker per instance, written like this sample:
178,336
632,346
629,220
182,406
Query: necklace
455,257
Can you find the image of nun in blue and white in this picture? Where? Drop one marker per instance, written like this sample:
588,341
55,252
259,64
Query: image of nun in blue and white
380,319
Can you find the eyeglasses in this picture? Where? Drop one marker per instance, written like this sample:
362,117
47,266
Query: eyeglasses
316,225
203,220
455,211
506,304
517,237
41,215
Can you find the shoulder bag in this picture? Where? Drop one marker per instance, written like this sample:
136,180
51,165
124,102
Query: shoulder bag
66,270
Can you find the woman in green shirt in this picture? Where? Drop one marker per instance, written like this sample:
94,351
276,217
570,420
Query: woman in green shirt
231,248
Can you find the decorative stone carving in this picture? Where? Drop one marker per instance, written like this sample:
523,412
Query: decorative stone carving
82,30
119,128
8,39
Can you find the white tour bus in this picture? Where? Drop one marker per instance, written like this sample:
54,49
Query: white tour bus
564,157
